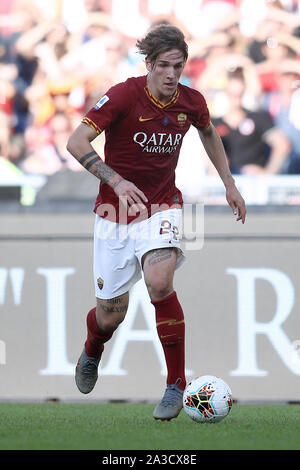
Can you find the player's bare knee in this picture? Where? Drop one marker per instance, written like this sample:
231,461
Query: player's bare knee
109,325
159,288
111,312
108,322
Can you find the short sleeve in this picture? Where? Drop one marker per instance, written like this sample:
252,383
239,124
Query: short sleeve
202,116
110,107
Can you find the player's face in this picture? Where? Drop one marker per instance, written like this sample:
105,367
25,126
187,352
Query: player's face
164,74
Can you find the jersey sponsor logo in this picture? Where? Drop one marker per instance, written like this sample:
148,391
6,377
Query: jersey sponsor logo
101,102
165,121
145,119
159,142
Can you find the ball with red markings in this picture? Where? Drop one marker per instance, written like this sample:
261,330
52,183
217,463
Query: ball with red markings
207,399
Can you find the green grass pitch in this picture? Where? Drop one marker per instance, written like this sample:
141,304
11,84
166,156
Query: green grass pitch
68,426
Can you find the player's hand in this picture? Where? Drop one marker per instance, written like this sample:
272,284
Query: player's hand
236,203
130,196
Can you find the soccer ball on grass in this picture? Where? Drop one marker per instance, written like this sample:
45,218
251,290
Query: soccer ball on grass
207,399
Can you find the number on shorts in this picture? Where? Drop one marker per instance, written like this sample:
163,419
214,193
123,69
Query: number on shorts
166,227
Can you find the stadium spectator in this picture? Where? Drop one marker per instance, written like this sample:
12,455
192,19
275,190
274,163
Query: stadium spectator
274,40
75,14
276,49
283,105
24,16
215,76
48,51
4,134
48,154
252,143
212,12
206,52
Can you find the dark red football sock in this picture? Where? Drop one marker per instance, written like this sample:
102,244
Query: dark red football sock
171,332
96,338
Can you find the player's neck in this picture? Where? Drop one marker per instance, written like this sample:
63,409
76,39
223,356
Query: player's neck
157,94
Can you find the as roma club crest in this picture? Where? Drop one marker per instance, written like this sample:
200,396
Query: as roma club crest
181,119
100,283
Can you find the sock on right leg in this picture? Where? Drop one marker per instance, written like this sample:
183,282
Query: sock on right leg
171,331
96,337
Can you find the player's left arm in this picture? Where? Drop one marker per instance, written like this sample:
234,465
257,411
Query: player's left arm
215,150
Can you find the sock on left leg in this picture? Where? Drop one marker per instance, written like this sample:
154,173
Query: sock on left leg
171,331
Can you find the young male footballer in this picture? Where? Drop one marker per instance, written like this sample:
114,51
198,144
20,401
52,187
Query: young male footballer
138,208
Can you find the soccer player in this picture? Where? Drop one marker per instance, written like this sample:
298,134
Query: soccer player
138,208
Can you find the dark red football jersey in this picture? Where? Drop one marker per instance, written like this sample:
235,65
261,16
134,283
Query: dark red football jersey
143,137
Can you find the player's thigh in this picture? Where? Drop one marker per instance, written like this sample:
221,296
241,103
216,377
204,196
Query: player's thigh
159,252
111,312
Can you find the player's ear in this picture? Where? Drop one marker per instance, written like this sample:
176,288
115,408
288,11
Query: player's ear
148,64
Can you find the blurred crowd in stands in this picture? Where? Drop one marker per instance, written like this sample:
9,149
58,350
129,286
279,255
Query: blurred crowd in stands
57,57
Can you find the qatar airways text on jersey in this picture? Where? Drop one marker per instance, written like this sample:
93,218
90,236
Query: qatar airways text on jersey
159,142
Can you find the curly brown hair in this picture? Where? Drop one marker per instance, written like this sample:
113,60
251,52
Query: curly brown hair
160,39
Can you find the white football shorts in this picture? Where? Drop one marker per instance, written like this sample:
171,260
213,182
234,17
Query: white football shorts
119,248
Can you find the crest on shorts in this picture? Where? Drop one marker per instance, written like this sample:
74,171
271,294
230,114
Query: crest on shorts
100,283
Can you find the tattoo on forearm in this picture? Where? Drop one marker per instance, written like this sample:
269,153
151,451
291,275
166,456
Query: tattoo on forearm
104,172
98,168
91,163
86,157
156,256
117,182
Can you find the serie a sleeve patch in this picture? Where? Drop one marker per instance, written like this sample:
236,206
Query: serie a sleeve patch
101,102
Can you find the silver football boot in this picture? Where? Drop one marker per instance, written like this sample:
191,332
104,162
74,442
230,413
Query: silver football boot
170,405
86,373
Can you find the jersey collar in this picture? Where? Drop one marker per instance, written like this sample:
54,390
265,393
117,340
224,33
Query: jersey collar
158,103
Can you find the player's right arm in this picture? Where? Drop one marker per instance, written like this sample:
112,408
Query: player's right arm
79,145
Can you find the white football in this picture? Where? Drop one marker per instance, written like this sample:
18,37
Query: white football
207,399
